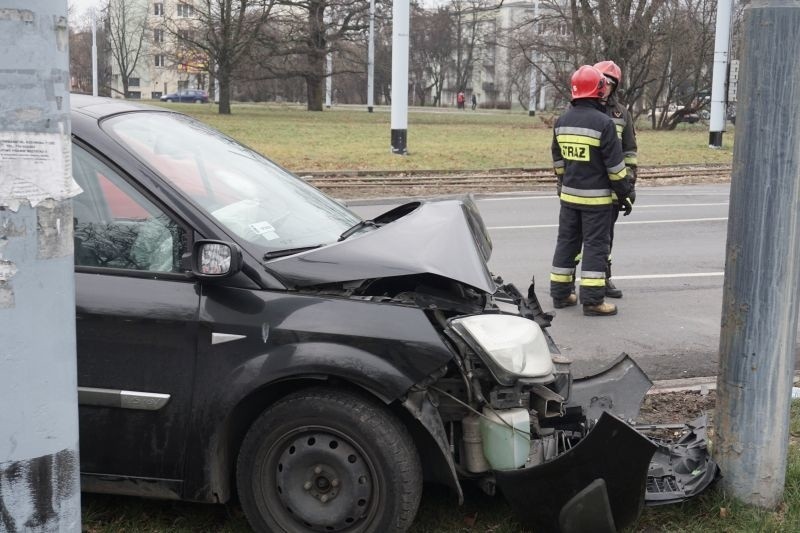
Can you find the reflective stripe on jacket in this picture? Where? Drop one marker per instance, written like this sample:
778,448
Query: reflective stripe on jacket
587,156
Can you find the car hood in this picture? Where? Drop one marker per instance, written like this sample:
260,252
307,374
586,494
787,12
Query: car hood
446,238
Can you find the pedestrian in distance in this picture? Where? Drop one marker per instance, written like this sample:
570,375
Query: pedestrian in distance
589,165
474,101
460,99
623,121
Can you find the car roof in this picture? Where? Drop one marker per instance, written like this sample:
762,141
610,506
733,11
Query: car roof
99,107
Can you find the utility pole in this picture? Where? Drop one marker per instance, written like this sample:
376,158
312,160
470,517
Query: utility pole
94,52
400,28
532,95
719,73
371,58
39,479
762,271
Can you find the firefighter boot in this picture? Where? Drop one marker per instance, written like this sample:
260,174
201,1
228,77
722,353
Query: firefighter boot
611,290
569,301
601,309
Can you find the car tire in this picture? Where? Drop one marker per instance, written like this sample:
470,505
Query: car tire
168,100
324,460
198,101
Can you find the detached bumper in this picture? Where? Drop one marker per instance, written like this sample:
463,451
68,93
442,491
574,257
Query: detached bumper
564,495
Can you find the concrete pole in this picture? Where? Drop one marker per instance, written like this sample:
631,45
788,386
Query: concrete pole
532,96
762,271
371,59
94,52
328,79
720,73
39,480
400,28
542,97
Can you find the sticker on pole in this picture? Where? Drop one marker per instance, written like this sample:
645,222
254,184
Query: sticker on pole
35,167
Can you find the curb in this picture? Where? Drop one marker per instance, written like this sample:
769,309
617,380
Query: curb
699,384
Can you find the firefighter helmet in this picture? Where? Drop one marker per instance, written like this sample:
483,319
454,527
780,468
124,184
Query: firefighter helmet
610,69
588,82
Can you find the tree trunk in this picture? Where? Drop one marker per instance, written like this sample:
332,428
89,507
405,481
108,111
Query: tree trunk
315,80
224,91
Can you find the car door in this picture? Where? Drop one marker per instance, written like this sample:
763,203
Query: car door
136,328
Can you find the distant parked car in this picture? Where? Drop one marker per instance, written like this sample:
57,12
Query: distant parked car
690,117
187,95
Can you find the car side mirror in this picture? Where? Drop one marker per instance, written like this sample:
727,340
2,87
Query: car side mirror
215,259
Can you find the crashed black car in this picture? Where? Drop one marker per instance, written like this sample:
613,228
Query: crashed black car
240,334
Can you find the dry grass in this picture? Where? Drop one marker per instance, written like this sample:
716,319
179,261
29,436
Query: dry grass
354,139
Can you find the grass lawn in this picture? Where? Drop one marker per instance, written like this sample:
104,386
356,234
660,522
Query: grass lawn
344,139
712,512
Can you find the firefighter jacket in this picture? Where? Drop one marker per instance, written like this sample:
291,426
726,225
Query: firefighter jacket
625,131
587,157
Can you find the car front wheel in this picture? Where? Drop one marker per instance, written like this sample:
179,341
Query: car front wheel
198,101
168,100
324,460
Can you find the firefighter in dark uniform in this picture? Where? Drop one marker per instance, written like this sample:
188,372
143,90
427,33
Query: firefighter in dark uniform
588,160
623,121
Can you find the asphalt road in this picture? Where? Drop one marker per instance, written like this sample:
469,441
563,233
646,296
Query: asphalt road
668,260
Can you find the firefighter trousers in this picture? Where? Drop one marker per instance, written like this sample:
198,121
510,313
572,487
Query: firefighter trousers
592,228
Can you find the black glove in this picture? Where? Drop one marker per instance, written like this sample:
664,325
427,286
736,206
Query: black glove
632,174
626,205
632,196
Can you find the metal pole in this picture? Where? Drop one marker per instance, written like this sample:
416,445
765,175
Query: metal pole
371,58
534,73
762,271
400,28
719,73
39,479
94,52
542,97
328,79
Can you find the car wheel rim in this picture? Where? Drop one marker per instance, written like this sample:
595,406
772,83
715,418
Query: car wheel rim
323,481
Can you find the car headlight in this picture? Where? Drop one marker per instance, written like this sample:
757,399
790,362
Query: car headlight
511,346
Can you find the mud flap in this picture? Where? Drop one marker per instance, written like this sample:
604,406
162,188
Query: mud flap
683,469
619,389
612,452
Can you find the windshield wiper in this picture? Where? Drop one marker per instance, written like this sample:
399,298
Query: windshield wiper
288,251
360,225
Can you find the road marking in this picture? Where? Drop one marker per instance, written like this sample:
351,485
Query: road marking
668,276
679,205
673,221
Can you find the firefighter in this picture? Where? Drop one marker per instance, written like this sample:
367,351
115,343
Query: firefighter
588,161
627,134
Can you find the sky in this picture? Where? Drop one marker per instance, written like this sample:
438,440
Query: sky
82,6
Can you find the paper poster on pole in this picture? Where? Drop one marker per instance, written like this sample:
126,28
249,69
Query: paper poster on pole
35,166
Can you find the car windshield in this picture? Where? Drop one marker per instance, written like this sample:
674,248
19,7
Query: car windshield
246,193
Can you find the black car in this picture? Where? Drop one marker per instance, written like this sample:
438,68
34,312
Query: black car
195,96
240,334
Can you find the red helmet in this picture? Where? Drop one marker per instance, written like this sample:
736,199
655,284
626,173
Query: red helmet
587,82
610,69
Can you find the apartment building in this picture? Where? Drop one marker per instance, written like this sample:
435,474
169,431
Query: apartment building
165,62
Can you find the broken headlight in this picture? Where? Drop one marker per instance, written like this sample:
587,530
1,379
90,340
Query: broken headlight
511,346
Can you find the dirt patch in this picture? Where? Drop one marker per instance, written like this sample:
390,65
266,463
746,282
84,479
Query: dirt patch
675,408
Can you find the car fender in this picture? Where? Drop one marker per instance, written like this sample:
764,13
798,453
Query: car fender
256,383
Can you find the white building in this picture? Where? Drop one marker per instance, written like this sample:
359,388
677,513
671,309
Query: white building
164,64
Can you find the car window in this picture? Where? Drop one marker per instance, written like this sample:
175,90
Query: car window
116,226
244,192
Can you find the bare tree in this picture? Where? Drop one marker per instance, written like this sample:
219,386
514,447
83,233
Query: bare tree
221,36
680,64
80,56
473,32
432,49
305,31
126,29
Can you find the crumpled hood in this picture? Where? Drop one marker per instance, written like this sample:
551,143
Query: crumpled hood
446,238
